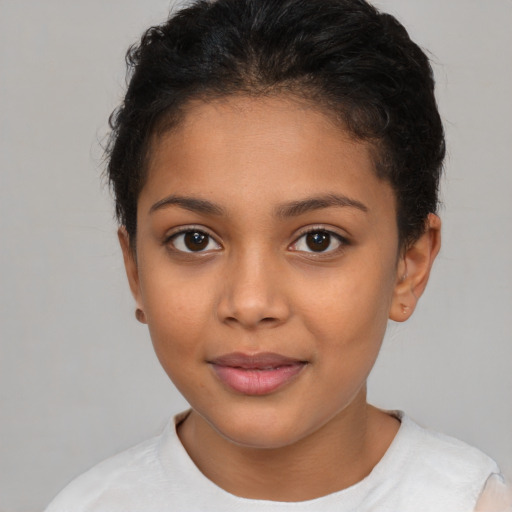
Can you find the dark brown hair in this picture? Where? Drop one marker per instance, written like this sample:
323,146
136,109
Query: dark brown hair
341,54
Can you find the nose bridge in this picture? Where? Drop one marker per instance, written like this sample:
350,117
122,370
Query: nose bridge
252,293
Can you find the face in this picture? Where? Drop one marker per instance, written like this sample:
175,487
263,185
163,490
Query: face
266,266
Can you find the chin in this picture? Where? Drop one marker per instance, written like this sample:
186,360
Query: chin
260,439
261,431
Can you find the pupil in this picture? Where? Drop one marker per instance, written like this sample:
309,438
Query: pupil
318,241
196,241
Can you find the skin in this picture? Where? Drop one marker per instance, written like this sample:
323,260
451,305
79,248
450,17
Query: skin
258,287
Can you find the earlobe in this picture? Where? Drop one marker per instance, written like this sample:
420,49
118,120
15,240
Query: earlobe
130,265
413,270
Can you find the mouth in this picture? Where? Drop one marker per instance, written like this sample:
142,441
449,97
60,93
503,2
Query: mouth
258,374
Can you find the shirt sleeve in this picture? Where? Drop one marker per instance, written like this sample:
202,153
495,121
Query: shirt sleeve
496,495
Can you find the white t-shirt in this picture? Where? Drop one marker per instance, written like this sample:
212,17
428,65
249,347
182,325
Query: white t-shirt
421,471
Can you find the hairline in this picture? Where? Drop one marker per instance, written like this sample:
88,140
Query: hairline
166,123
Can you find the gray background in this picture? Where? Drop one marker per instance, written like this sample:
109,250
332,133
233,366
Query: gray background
78,378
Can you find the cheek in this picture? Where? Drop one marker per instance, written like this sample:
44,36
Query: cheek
177,322
173,294
350,305
178,310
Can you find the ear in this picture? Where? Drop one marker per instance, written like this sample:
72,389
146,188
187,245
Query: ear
132,271
413,270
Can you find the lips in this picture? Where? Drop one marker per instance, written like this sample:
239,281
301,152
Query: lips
258,374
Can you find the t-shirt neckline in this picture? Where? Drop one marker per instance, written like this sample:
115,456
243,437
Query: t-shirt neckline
173,455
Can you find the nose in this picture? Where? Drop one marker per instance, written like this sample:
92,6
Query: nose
253,295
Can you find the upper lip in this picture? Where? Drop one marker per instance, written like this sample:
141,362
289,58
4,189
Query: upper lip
257,361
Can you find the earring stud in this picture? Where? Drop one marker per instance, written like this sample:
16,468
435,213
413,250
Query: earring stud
140,316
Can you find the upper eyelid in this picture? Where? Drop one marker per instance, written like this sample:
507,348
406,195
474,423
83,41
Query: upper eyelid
189,227
296,236
183,230
341,240
327,229
170,236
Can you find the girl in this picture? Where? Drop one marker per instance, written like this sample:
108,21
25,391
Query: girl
276,166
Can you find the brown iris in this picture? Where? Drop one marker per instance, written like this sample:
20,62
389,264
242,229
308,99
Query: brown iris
195,240
318,241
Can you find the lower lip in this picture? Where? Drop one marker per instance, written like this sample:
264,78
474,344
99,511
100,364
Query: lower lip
249,381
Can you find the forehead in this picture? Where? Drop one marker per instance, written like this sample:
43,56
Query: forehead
264,149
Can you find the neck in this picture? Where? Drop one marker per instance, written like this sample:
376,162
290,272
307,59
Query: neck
337,456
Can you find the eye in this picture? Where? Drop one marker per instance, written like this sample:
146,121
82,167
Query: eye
193,240
320,241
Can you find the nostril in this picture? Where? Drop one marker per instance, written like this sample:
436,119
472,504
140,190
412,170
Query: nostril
266,321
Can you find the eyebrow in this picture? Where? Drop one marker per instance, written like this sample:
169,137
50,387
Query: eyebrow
296,208
188,203
291,209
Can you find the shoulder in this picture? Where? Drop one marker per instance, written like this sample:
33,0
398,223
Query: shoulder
441,469
447,455
123,475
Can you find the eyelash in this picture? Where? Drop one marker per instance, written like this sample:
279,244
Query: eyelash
171,239
342,241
